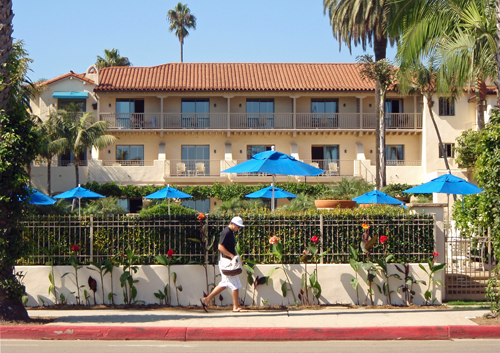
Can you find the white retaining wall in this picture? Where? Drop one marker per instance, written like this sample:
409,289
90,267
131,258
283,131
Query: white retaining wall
334,280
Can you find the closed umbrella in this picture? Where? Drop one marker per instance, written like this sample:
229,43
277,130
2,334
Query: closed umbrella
275,163
168,193
79,193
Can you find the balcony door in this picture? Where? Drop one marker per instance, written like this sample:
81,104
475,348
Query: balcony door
393,108
325,113
129,113
195,113
192,154
260,113
394,154
325,155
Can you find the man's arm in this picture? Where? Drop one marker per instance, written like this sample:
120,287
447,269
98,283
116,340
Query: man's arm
223,250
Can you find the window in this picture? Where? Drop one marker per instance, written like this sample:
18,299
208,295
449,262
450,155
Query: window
69,158
449,150
393,110
202,206
192,154
69,104
260,113
195,113
327,157
324,112
254,149
394,154
446,107
130,155
129,113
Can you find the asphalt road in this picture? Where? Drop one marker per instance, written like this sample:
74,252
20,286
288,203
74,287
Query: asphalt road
456,346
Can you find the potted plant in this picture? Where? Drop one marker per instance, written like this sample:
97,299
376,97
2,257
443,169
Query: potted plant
341,194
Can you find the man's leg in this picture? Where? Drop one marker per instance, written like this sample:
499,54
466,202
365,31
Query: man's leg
236,299
216,291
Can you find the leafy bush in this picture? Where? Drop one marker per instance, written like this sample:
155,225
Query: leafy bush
162,209
347,189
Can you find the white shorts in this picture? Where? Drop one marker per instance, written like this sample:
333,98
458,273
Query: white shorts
231,282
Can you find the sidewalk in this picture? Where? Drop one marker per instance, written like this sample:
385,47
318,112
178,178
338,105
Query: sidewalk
333,323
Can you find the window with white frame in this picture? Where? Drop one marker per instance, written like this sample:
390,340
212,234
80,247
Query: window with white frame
449,150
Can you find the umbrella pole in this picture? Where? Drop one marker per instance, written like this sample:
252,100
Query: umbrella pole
79,206
169,206
272,199
448,227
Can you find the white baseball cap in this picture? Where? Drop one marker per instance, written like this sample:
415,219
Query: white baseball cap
238,221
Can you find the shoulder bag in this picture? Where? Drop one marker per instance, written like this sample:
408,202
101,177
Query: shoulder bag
230,267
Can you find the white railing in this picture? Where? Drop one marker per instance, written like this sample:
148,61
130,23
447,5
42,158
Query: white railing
265,121
128,163
399,163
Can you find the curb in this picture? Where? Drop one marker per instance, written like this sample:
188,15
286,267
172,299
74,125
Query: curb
247,333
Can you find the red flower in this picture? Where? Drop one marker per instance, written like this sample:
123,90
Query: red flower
305,251
274,240
75,248
122,255
435,254
201,216
315,239
170,253
383,239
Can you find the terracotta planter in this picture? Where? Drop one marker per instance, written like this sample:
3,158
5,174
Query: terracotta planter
335,203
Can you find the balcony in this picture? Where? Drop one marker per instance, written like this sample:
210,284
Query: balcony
262,121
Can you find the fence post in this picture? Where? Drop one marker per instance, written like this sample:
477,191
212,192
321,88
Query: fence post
321,232
91,237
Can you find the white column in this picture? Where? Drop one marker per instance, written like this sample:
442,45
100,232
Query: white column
415,111
228,111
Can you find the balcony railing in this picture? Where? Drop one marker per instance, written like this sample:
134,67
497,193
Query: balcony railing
128,163
399,163
259,121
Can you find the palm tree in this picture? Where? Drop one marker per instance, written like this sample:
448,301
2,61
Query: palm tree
49,149
463,34
425,80
366,22
111,58
78,132
181,19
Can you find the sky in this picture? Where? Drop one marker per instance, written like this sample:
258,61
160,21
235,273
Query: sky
62,35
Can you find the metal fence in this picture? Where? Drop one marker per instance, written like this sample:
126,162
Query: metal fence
469,262
411,237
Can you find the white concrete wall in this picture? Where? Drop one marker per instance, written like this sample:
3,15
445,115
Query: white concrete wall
334,280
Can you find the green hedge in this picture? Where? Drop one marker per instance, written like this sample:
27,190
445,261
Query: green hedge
411,237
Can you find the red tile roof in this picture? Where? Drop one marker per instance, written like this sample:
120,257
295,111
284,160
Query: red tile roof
69,74
234,77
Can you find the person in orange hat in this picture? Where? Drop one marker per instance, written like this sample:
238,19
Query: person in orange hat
227,249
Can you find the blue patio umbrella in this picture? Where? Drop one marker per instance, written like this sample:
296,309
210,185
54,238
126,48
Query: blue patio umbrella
376,196
38,198
168,193
79,193
275,163
446,184
267,193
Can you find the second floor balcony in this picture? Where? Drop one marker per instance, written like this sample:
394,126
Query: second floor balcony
260,121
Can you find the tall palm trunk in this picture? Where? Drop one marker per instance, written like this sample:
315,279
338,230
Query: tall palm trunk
49,163
430,106
480,91
182,45
380,49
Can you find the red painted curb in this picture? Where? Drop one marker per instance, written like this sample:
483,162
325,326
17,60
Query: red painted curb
93,333
246,333
315,334
474,332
